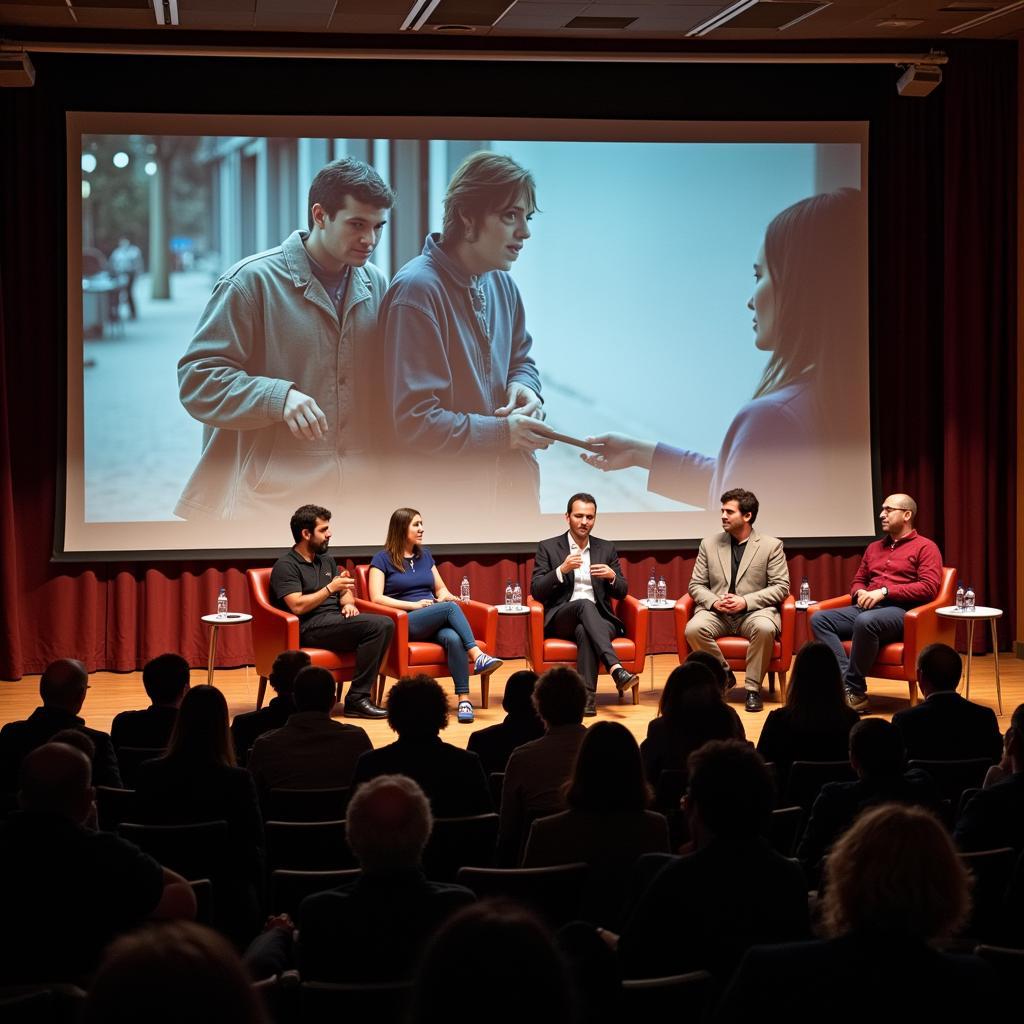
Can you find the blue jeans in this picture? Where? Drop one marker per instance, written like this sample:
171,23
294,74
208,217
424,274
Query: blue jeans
445,624
869,628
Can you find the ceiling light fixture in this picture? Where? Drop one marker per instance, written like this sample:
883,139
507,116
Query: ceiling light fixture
983,18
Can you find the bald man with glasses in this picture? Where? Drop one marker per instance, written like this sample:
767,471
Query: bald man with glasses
897,573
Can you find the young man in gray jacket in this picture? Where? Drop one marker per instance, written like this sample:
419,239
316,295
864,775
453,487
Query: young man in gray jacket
275,369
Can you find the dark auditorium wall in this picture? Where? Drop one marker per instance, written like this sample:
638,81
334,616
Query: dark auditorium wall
943,180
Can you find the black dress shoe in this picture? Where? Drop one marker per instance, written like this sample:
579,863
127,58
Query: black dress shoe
363,707
624,679
590,708
754,702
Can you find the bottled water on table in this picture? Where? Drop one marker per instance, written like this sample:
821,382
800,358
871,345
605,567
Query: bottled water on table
508,594
805,591
464,589
969,599
517,595
959,597
222,602
652,587
662,592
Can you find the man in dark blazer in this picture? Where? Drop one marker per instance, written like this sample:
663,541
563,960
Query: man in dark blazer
575,576
945,726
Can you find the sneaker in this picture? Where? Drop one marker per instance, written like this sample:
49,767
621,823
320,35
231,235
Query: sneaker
857,701
485,664
464,713
624,679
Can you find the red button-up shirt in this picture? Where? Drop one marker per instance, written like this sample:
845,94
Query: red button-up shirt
911,569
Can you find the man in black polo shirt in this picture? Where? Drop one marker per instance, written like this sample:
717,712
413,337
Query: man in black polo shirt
306,581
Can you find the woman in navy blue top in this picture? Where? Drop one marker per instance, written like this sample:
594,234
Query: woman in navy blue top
404,576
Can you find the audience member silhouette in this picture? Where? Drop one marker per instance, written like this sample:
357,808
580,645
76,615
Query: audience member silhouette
697,914
247,727
62,689
994,817
606,824
945,726
726,680
815,724
502,959
68,889
374,929
878,758
197,781
165,679
691,712
537,771
453,779
169,973
895,890
311,750
494,745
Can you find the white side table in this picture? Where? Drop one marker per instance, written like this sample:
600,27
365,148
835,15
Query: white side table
980,614
215,622
654,606
518,609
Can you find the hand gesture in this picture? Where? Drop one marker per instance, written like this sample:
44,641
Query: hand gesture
619,451
425,603
869,598
601,571
572,562
521,399
525,432
304,417
349,611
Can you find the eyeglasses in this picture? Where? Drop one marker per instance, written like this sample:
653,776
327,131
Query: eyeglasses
894,508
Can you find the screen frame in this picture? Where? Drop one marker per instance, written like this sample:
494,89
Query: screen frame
79,123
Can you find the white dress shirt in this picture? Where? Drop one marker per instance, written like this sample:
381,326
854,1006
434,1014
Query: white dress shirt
582,586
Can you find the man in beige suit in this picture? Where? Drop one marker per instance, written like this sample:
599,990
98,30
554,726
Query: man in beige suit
739,580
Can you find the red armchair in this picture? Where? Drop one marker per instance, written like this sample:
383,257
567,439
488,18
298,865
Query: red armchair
631,648
274,631
409,657
921,626
734,648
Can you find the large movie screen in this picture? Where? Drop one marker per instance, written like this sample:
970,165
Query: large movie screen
649,312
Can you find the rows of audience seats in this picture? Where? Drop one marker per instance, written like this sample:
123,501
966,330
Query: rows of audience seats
279,868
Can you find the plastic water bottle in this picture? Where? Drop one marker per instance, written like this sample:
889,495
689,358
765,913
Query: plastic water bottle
517,595
805,592
969,599
662,590
959,597
222,602
464,589
652,587
508,594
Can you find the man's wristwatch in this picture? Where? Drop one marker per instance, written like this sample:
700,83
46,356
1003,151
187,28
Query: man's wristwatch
885,593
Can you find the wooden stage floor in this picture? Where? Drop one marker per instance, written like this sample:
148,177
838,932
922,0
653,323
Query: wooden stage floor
112,692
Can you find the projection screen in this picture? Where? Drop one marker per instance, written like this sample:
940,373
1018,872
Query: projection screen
692,299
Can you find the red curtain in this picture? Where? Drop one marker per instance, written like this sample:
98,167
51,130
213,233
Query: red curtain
943,193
